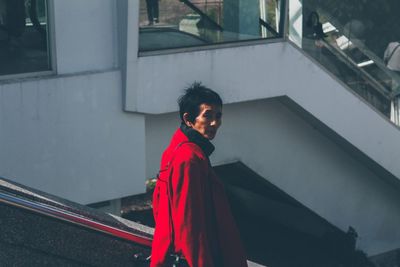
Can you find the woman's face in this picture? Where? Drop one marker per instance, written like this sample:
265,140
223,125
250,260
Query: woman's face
208,120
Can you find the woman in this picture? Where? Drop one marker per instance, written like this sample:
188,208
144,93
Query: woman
191,211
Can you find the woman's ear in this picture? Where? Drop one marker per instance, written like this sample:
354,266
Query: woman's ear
186,119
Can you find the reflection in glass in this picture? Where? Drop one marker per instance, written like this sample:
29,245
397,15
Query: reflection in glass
23,36
349,39
183,23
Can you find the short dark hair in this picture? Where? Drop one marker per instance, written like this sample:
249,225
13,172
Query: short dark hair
195,95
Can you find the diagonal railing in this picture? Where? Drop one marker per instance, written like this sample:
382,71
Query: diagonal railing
71,217
202,15
341,45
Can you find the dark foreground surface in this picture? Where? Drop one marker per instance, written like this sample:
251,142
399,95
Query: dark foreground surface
32,238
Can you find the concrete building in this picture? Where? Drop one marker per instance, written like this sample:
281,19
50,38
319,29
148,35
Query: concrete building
90,123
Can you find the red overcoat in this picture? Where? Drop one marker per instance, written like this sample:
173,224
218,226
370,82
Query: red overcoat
191,211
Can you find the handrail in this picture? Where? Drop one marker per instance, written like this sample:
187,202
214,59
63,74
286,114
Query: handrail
378,62
360,45
352,64
73,218
202,14
268,27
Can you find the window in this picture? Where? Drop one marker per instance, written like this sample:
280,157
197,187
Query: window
183,23
24,43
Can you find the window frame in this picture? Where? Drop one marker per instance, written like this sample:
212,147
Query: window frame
282,38
51,46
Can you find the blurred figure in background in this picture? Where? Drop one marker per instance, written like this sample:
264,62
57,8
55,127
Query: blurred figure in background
152,11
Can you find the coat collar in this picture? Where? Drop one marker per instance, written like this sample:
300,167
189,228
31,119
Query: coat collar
195,137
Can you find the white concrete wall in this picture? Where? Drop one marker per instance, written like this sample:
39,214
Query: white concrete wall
69,136
293,155
240,74
85,35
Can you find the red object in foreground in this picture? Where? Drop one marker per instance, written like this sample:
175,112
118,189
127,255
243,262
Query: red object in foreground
198,223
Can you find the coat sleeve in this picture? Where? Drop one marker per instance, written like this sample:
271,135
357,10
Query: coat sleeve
189,209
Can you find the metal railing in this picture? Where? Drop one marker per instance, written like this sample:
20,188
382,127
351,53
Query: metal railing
354,65
63,215
345,48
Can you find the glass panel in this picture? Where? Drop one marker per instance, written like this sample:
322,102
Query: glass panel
184,23
350,39
23,36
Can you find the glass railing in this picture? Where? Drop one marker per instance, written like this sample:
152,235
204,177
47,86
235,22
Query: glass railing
184,23
353,41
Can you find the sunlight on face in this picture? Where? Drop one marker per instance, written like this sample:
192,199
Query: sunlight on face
208,121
